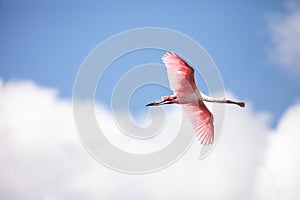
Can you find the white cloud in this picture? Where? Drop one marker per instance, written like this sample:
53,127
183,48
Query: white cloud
279,178
285,37
42,158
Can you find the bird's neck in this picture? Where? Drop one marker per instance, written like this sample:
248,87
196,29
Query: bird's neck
210,99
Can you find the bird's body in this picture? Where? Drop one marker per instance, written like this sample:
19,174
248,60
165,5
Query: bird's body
186,93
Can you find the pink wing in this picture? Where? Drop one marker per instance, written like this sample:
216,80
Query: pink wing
180,74
202,121
182,82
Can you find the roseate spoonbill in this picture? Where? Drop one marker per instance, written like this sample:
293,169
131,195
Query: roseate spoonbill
182,83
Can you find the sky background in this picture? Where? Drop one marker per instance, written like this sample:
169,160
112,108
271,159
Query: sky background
255,45
47,42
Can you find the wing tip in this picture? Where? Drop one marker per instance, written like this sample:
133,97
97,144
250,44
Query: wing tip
169,53
207,142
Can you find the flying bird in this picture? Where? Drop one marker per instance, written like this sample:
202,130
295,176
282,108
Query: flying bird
186,93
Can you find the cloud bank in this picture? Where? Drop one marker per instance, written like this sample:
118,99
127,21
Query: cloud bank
42,158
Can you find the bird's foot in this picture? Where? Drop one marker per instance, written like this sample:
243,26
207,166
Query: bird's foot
153,104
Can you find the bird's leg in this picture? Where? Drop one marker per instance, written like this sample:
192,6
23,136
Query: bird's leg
159,103
154,103
170,100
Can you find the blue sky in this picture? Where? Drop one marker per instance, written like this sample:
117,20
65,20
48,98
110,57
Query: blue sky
47,41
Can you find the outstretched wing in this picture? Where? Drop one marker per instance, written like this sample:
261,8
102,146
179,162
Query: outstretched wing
182,82
180,74
202,121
